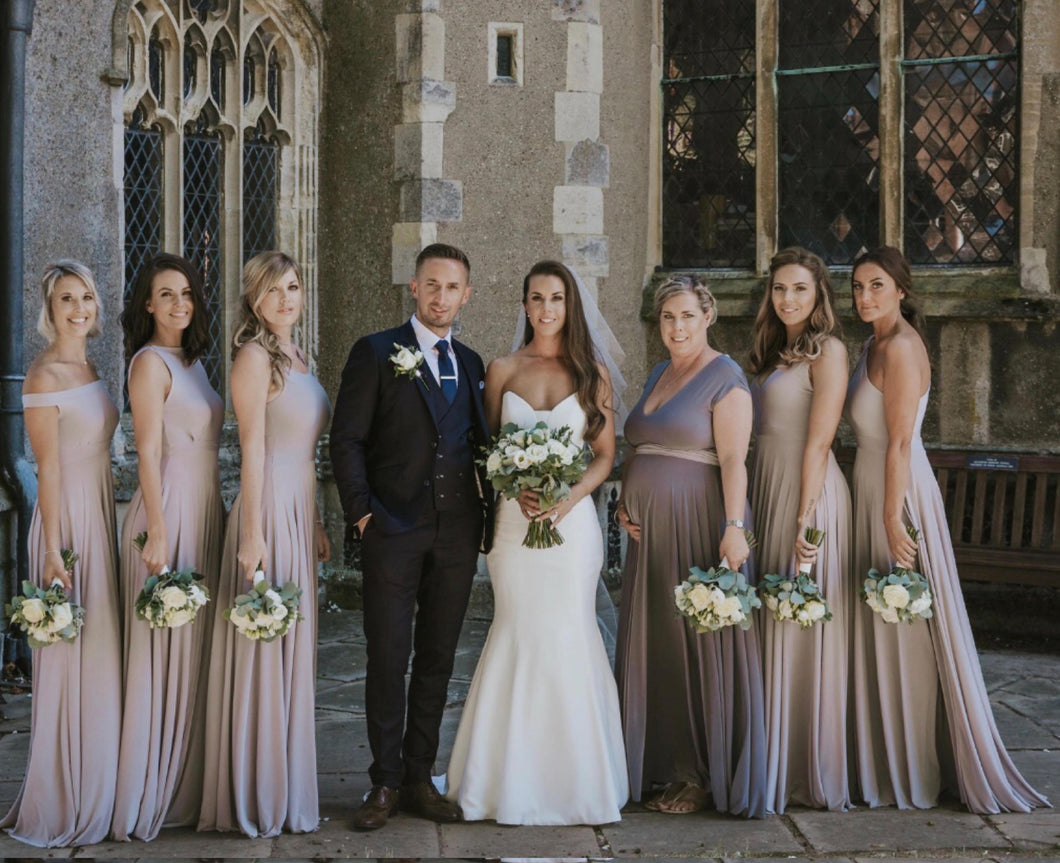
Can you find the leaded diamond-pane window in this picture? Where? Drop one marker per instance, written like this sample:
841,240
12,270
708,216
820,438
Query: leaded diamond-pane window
828,87
961,126
708,134
143,197
202,235
260,164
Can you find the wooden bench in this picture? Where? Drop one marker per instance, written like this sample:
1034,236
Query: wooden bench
1003,511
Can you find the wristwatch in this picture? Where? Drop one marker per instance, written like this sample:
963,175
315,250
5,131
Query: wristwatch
734,522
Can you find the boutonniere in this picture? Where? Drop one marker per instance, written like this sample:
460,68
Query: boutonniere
407,362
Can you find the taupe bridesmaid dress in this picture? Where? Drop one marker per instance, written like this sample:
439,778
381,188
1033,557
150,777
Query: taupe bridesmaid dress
691,704
923,717
261,766
160,765
67,796
805,671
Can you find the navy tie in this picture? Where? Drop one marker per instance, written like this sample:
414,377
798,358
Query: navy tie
446,372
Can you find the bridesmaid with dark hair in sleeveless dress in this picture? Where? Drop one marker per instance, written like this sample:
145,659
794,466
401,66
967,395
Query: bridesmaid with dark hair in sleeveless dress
691,704
800,383
67,796
923,717
261,767
177,419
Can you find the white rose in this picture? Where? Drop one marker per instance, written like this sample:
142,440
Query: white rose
537,453
511,450
33,610
180,616
732,608
803,616
198,596
785,609
519,438
873,602
816,610
62,617
889,615
279,612
173,597
787,586
521,460
405,360
494,462
917,606
896,596
273,596
556,448
699,596
566,458
771,602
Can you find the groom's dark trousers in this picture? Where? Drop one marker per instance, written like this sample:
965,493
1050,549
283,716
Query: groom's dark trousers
402,452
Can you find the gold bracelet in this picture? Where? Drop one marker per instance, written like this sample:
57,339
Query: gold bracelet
53,551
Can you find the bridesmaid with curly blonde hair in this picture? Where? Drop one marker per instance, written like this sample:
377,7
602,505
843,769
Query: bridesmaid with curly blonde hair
260,775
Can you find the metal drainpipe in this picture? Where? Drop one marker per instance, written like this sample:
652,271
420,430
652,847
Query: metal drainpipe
16,21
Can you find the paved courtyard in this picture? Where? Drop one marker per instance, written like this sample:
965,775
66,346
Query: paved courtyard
1025,690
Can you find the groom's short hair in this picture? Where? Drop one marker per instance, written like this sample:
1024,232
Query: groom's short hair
443,250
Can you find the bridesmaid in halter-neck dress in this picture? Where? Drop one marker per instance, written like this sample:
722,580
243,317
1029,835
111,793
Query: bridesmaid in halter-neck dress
261,768
798,392
67,795
177,418
692,706
923,717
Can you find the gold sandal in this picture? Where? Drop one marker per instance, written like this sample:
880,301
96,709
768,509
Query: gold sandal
680,798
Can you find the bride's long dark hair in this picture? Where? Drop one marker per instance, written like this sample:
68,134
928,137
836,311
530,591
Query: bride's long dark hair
578,357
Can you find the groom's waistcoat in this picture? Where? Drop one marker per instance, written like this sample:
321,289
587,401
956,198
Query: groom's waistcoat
454,457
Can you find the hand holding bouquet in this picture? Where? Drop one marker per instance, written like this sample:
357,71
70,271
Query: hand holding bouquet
716,598
265,613
170,599
541,459
796,599
901,595
47,615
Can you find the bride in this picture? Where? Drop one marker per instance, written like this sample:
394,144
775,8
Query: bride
540,738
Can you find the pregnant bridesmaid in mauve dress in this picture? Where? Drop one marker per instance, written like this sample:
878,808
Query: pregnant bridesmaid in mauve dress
798,391
691,704
67,796
261,768
177,418
923,717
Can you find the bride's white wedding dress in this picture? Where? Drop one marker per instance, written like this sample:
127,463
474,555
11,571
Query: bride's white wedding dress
540,739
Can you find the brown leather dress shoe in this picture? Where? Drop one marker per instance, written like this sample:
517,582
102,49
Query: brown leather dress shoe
381,803
424,800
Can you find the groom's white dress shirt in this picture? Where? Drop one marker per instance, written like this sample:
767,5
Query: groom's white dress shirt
427,341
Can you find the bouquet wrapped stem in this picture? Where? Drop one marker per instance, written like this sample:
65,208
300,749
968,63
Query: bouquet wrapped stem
814,536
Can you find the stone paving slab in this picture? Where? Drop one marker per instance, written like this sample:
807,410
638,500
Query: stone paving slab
1021,732
342,743
489,840
180,842
341,661
1042,770
340,626
1030,831
12,849
711,834
402,837
895,831
14,752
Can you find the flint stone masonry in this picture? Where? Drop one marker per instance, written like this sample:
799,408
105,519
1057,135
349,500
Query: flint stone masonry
577,210
585,57
427,101
588,164
577,116
588,254
432,200
418,150
420,41
576,10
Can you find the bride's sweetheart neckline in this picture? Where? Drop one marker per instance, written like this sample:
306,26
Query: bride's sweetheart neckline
539,410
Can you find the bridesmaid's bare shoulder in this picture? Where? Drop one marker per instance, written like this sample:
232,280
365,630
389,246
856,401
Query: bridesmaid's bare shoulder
47,375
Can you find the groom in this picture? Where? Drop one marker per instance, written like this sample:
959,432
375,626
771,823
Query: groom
406,430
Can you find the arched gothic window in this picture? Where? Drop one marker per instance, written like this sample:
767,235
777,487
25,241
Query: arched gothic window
220,116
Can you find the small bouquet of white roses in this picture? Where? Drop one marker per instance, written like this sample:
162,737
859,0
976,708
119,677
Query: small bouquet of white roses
541,459
716,598
47,615
901,595
265,613
171,598
797,599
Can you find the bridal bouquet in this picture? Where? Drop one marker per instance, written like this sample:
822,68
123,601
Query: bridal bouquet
541,459
47,616
797,599
901,595
716,598
171,598
265,613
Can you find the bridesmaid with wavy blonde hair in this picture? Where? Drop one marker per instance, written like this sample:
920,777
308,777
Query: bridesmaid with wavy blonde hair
260,774
67,795
799,370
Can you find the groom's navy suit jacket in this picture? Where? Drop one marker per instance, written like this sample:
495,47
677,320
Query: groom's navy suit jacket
384,432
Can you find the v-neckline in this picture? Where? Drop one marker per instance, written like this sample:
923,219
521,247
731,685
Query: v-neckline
678,392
